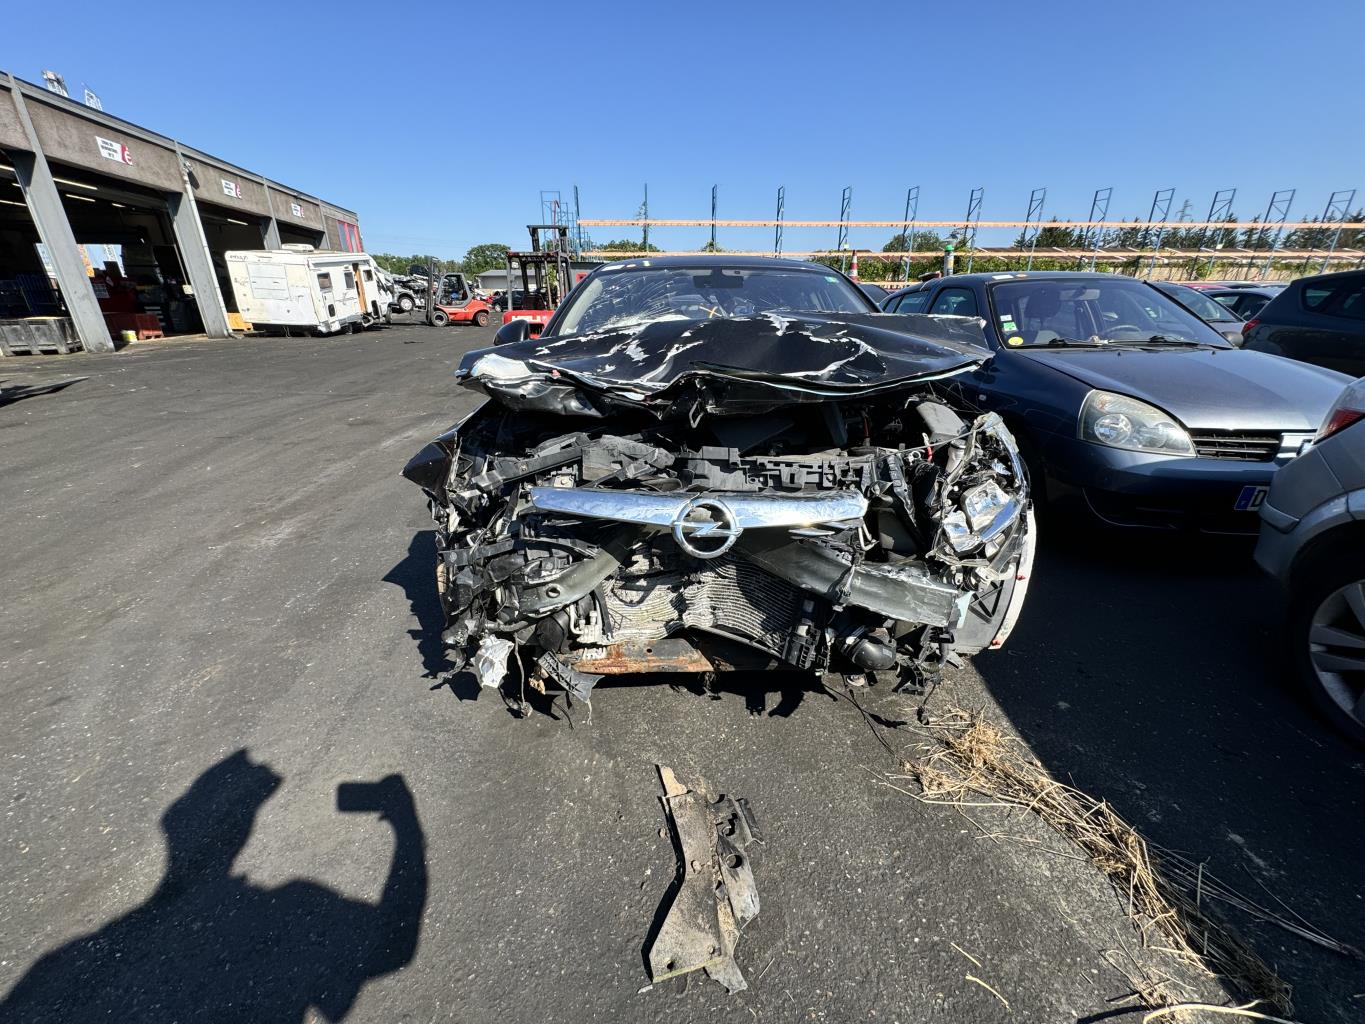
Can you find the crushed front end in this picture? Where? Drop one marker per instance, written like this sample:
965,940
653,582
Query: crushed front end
874,535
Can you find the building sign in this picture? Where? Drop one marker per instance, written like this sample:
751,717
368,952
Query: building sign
231,188
111,150
296,209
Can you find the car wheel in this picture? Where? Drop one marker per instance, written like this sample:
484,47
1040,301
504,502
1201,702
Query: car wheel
1327,638
439,319
481,318
405,303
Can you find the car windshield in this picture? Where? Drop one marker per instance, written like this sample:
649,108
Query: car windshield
1201,304
638,295
1093,312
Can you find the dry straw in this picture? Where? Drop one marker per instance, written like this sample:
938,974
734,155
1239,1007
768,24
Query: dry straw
1167,896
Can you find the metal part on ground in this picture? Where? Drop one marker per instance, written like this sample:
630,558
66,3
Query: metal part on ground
715,895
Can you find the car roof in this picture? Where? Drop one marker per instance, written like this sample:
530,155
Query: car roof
1335,275
991,277
714,260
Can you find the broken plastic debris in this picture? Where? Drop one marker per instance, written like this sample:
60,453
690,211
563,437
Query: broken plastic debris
490,663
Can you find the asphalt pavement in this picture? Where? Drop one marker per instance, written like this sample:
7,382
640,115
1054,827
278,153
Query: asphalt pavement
245,786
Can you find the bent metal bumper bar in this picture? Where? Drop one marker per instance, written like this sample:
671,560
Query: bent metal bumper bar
749,511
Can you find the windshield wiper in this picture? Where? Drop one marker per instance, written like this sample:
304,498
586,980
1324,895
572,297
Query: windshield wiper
1165,339
1072,343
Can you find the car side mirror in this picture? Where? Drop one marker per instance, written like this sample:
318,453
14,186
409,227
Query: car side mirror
512,332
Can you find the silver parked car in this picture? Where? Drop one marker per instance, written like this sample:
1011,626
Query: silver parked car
1313,541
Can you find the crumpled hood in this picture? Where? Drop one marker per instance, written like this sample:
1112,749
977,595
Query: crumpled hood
826,355
1224,389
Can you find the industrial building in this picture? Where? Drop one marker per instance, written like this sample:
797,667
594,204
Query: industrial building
107,228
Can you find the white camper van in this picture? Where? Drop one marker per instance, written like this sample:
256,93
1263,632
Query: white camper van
310,289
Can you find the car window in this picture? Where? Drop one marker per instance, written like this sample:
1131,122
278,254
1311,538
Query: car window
1103,309
1231,301
633,295
1315,296
1353,305
1249,305
892,304
1199,303
914,302
954,302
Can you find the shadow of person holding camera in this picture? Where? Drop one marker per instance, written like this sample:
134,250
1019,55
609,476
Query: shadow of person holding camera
211,946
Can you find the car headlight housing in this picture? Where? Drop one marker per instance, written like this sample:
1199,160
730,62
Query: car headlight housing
985,512
1122,422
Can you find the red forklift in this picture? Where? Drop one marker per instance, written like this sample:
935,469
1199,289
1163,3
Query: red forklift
546,276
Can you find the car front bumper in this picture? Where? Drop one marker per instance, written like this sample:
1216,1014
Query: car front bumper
1142,490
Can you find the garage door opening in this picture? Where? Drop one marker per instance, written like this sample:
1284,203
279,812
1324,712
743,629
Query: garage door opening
28,290
227,230
301,236
146,290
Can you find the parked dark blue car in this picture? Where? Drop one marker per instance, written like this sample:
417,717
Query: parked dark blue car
1126,403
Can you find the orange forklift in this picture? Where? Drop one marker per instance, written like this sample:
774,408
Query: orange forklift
451,299
546,277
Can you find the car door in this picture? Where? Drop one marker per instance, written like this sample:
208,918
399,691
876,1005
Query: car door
1346,352
1326,324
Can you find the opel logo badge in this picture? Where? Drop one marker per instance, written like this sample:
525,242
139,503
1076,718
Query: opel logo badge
705,528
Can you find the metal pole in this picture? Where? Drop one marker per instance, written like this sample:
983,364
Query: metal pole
577,227
908,229
714,188
1161,203
1278,212
1035,216
1099,210
1340,205
645,244
781,212
845,202
973,214
1219,210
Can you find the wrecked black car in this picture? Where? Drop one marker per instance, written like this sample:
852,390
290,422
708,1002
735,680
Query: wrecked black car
716,463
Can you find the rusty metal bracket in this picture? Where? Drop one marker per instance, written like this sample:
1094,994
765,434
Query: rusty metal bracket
715,895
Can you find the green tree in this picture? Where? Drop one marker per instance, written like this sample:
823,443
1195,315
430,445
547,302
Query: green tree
488,256
1132,236
1053,236
925,241
627,245
400,264
1256,235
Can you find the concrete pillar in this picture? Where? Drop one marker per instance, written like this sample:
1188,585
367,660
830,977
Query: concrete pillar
270,228
194,255
54,230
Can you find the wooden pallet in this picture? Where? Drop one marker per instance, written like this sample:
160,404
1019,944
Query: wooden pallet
54,335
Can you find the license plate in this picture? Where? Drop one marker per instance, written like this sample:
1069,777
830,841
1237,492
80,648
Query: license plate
1250,499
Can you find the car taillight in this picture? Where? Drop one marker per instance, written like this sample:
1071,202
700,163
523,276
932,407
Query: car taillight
1337,420
1246,327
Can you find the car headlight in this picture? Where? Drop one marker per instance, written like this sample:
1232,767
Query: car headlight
1122,422
985,513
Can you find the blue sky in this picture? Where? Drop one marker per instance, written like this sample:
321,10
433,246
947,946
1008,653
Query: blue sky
814,96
